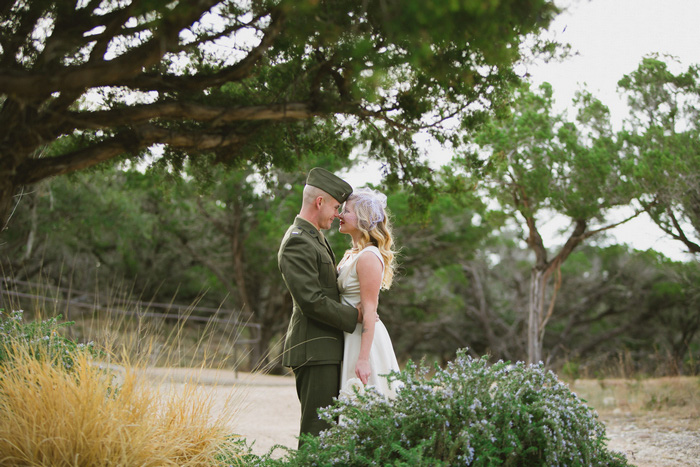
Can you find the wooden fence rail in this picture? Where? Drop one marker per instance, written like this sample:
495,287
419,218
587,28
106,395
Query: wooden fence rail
77,299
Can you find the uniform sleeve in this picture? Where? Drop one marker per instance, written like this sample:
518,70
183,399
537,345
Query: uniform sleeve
300,272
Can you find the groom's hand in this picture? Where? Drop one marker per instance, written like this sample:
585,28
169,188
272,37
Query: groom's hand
359,313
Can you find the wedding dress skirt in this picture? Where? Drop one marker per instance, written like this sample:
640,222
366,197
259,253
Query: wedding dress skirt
382,359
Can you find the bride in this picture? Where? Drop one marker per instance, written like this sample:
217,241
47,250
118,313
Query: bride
363,271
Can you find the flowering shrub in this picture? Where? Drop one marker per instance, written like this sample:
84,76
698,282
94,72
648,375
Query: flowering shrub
41,339
471,413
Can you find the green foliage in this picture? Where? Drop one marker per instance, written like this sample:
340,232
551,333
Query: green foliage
171,239
40,339
616,298
252,84
537,159
537,164
470,413
662,142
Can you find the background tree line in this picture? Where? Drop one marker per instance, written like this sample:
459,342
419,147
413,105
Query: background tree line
464,279
470,262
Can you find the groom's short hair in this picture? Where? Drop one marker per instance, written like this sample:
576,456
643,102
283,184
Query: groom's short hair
311,193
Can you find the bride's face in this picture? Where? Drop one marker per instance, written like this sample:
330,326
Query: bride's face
348,218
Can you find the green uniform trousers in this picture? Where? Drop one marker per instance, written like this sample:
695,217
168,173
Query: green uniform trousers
317,385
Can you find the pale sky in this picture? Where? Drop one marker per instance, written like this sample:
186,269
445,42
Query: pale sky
611,38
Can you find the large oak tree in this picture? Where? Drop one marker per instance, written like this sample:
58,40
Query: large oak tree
207,81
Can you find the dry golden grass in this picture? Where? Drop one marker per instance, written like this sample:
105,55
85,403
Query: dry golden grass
678,395
51,417
137,331
156,342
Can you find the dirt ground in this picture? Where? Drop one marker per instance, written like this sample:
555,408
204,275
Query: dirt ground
654,441
267,412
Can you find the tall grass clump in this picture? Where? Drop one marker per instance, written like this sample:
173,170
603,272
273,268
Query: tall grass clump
55,414
471,413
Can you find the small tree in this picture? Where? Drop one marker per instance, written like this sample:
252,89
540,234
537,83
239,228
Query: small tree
535,163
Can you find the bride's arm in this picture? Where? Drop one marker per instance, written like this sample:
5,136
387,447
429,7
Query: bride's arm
369,273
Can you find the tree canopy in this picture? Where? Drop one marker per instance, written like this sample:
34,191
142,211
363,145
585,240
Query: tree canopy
662,144
257,82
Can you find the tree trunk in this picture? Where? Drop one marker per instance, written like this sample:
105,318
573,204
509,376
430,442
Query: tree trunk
538,284
539,278
7,192
8,188
34,221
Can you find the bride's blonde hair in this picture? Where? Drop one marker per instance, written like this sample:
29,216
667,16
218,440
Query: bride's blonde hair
374,224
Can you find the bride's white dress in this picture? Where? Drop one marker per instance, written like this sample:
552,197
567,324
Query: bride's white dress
382,359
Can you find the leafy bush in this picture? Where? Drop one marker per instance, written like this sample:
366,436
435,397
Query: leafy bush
471,413
41,339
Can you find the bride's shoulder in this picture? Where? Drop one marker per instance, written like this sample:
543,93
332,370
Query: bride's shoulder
374,250
371,248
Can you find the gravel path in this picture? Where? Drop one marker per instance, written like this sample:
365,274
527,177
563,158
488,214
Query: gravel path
654,441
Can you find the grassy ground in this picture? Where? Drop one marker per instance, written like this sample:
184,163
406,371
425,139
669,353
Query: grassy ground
675,395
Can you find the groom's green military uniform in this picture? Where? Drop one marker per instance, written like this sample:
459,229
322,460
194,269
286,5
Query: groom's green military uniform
314,344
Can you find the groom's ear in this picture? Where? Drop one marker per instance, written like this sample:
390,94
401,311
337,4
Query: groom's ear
319,202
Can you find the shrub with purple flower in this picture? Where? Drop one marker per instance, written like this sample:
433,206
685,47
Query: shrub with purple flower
471,413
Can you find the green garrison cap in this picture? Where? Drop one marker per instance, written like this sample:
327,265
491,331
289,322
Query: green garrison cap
330,183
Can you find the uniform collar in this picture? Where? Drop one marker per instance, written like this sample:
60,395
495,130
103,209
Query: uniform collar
307,226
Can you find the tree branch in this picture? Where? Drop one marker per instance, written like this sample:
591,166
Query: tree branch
534,240
237,72
692,246
113,72
25,21
611,226
140,137
178,110
69,33
577,236
223,33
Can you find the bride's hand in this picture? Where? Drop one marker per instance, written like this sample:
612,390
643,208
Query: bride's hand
362,370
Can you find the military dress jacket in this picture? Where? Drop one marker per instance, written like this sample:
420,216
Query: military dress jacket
315,332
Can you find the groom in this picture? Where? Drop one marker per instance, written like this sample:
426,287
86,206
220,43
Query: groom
313,347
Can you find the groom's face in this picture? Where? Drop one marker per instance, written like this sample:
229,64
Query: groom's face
329,212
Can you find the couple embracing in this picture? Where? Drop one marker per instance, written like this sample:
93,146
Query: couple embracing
335,334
